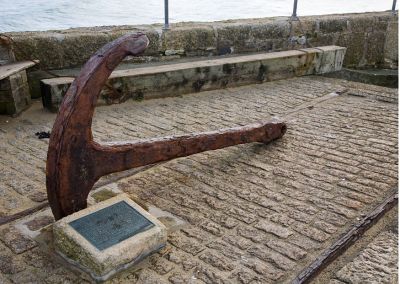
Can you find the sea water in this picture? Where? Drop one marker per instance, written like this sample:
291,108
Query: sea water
33,15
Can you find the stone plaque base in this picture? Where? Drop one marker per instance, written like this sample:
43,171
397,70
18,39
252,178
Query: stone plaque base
108,237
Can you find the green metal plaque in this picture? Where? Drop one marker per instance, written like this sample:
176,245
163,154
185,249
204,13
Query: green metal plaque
111,225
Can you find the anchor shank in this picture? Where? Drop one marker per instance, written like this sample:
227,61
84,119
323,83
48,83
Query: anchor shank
115,158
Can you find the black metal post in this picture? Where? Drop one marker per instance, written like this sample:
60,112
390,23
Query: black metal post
294,14
166,16
394,6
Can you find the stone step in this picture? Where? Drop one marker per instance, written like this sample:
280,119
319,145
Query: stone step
380,77
14,88
188,77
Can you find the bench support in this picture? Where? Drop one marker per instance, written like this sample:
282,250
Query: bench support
14,88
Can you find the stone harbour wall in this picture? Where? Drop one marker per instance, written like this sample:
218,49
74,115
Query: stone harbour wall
370,38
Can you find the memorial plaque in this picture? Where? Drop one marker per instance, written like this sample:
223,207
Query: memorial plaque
111,225
108,236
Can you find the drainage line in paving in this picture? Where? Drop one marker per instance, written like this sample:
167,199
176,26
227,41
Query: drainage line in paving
350,237
8,219
313,103
114,178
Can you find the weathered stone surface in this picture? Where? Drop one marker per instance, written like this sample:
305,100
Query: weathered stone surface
103,195
39,222
188,245
380,77
6,51
252,37
391,51
374,47
183,40
101,263
332,25
73,47
161,265
16,241
146,276
178,278
182,78
209,275
217,261
299,183
332,59
38,196
377,263
14,88
356,50
272,228
288,250
265,269
4,280
9,266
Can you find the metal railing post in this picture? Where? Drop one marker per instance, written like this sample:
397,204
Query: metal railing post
394,6
166,16
294,14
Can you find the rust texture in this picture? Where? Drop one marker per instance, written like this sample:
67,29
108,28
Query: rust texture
75,162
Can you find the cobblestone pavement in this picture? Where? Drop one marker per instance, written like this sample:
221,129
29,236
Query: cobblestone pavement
372,259
377,263
252,213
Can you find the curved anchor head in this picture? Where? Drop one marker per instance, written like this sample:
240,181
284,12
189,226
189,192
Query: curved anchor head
75,162
70,169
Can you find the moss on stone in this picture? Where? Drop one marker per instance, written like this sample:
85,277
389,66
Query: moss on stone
103,195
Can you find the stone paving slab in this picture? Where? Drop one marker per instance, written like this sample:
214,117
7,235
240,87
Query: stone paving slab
253,213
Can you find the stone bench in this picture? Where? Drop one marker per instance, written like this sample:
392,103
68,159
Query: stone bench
182,78
14,88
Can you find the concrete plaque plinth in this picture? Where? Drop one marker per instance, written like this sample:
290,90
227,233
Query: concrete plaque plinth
108,237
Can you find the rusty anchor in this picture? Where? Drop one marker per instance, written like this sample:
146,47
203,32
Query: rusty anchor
75,162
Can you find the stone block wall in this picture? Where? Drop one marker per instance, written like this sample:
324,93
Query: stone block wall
370,39
391,51
6,51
